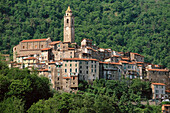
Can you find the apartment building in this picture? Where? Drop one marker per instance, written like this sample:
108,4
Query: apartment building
158,90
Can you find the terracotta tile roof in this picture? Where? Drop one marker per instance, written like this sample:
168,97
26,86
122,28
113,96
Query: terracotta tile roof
43,70
157,66
55,42
137,54
158,84
80,59
166,105
163,70
139,62
115,56
52,62
46,49
125,58
124,62
30,58
167,91
71,48
132,63
34,40
120,52
140,65
66,77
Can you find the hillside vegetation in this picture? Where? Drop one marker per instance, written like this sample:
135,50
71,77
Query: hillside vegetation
23,91
141,26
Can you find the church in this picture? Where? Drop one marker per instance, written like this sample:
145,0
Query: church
66,63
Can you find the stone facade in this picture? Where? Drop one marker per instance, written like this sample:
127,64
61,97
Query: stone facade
158,90
66,63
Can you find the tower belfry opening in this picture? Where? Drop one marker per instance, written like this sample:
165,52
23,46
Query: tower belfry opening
69,35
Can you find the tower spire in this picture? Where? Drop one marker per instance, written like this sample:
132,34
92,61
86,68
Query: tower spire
68,10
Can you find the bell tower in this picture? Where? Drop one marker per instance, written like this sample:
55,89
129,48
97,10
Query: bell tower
69,26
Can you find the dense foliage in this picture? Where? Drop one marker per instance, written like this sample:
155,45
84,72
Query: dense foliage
19,89
22,91
102,97
140,26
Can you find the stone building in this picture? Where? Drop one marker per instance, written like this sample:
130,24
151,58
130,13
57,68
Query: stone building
158,90
66,63
27,47
159,76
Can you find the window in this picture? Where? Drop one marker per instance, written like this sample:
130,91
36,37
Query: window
80,62
41,46
80,67
86,62
70,65
23,47
58,74
59,45
70,52
91,70
65,65
80,71
73,78
67,20
95,70
91,66
49,67
76,70
35,46
157,91
58,78
76,65
86,67
70,70
65,70
86,72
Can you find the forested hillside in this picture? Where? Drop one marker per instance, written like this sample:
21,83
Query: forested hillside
141,26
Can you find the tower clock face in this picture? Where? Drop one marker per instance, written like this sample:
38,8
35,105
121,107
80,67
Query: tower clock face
67,28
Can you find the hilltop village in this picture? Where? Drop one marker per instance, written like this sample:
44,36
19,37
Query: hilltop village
65,63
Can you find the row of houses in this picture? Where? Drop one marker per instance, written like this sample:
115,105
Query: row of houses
65,63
